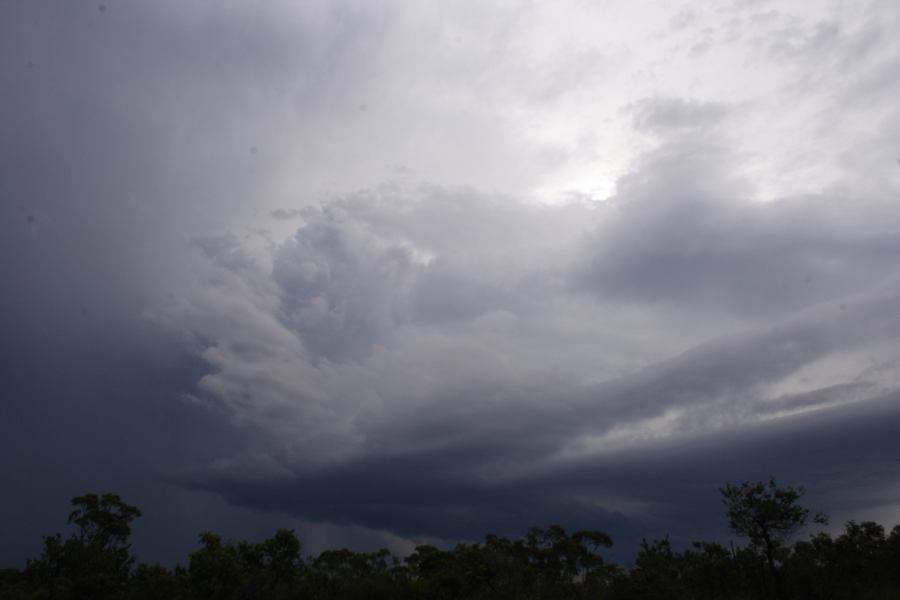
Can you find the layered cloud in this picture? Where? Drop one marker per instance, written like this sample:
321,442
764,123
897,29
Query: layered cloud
444,354
394,269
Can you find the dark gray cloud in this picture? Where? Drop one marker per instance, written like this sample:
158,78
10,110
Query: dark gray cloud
429,422
114,151
664,488
219,302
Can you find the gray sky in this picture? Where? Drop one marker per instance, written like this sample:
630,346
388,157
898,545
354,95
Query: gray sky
394,272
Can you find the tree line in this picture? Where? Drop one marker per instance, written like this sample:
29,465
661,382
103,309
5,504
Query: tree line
96,562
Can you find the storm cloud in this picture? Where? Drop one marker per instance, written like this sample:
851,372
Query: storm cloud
421,360
392,272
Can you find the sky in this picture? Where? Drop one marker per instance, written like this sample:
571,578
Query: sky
393,273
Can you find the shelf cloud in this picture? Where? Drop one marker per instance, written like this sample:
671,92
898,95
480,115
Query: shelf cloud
393,272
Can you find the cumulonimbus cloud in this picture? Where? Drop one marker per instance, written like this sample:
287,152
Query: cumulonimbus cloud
486,342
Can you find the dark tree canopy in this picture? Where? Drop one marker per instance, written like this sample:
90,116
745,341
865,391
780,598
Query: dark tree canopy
765,513
103,520
549,563
769,516
95,562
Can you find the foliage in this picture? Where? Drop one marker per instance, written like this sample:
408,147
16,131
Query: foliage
765,513
863,562
95,562
768,516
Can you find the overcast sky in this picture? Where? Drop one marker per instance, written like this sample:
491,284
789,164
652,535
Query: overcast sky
403,272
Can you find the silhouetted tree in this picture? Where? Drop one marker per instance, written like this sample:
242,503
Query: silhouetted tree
215,570
768,516
95,562
155,582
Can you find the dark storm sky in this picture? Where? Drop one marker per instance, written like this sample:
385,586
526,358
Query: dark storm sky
393,272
